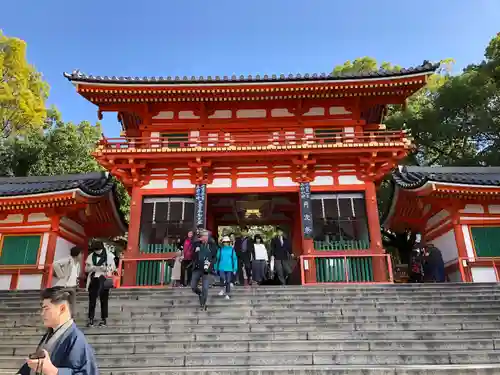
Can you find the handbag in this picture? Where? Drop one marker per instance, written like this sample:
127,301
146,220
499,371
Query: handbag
109,281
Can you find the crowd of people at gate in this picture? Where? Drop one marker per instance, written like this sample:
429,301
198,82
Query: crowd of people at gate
243,260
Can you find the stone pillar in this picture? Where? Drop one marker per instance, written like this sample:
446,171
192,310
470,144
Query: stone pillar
200,205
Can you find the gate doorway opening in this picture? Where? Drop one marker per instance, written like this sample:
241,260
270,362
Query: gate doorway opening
259,213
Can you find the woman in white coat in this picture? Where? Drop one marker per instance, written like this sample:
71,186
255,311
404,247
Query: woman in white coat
260,259
67,270
100,265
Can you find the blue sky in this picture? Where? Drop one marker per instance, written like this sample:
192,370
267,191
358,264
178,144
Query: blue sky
219,37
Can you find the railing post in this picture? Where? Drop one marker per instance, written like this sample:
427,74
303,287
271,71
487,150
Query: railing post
496,270
462,270
162,272
345,270
302,270
389,268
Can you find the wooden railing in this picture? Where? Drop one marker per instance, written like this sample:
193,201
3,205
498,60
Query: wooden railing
150,273
341,245
256,141
464,266
344,269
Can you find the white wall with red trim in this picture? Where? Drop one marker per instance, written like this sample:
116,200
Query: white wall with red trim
29,277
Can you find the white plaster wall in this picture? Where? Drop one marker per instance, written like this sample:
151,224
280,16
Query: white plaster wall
473,209
315,111
43,250
494,208
220,183
436,218
37,217
73,225
179,184
284,181
17,218
29,282
468,241
156,184
322,181
251,113
338,111
63,247
447,244
5,282
350,180
483,275
252,182
164,115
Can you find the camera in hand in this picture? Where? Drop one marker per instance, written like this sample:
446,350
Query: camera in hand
39,354
206,265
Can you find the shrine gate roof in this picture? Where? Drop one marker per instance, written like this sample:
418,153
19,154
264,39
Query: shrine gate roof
79,77
88,199
413,177
94,184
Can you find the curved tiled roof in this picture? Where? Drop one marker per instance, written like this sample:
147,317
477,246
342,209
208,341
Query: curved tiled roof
95,184
78,76
414,177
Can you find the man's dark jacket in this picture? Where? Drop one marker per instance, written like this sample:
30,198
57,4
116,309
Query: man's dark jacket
279,251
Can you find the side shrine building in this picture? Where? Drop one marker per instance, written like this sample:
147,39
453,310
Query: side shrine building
457,209
304,152
42,218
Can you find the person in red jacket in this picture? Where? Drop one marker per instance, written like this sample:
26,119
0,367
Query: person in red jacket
188,256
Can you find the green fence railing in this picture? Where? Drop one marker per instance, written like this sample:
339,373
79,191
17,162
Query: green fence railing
341,245
333,270
149,271
157,248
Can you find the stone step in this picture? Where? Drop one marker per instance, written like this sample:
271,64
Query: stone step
239,346
303,311
188,296
285,293
290,318
111,338
223,306
480,369
319,370
292,288
287,358
235,328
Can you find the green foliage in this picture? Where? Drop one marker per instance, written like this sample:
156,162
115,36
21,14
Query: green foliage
62,148
364,65
455,120
23,92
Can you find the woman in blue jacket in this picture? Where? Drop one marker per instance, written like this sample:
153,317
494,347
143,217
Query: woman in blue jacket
226,263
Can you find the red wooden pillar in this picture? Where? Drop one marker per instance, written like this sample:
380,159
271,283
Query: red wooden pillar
51,250
130,266
380,267
461,247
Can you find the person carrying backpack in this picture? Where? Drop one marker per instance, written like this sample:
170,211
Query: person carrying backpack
226,263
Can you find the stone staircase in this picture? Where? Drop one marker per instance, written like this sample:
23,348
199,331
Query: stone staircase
349,330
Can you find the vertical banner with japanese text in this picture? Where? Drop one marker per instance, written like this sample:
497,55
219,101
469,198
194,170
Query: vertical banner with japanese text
200,207
306,210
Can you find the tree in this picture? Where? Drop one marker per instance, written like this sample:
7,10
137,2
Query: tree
454,120
61,148
23,92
